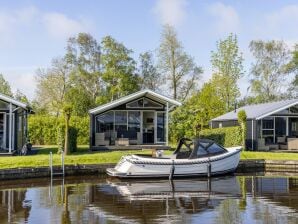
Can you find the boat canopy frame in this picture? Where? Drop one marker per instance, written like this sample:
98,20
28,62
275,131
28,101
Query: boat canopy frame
192,153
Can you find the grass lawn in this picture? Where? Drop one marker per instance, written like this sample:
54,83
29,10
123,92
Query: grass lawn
83,156
269,155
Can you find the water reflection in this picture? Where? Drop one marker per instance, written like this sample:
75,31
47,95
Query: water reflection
100,200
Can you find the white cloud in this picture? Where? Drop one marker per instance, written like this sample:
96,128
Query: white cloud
57,25
12,20
22,79
281,24
60,26
172,12
227,19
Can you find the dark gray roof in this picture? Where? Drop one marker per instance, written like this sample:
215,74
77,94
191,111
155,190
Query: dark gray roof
258,111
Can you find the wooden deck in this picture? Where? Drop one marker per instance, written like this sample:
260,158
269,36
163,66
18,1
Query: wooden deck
129,147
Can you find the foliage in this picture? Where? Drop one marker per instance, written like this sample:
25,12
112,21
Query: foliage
195,113
292,67
67,110
73,135
60,138
43,130
5,87
228,136
119,69
242,121
179,68
83,56
19,96
269,71
150,77
52,86
228,69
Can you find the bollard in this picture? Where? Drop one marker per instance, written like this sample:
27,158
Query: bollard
209,169
172,170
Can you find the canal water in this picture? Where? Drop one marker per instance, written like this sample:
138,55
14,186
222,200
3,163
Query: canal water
98,199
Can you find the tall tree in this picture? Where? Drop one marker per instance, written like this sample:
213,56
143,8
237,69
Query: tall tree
21,97
269,70
83,58
5,87
228,69
196,112
292,67
178,67
119,69
52,87
151,78
67,109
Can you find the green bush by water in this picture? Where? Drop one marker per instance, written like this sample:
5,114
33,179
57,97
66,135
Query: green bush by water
228,136
43,130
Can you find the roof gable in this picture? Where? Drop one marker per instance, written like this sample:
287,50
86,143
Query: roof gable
258,111
143,93
13,101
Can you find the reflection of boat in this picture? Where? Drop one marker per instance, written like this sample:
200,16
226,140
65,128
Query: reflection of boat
200,157
211,188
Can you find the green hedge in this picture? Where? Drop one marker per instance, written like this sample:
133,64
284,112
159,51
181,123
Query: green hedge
229,136
43,130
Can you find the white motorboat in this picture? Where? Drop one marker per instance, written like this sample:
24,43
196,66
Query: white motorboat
200,157
217,187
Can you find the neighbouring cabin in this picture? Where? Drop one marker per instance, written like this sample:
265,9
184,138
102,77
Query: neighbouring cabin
13,124
269,126
139,120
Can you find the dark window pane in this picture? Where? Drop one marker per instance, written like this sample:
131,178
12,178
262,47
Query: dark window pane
280,126
105,123
134,123
215,149
135,104
268,123
201,151
121,123
151,104
161,120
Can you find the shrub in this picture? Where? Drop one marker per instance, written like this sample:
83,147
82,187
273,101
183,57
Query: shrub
242,121
229,136
73,134
43,130
60,138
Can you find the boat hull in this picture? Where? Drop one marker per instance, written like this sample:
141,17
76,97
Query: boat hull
139,167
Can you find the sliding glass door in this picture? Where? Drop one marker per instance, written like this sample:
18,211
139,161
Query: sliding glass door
2,131
160,127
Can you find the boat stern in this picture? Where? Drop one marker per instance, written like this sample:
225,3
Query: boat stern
121,169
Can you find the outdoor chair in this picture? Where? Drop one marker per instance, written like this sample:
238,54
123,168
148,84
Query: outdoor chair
261,144
292,143
100,139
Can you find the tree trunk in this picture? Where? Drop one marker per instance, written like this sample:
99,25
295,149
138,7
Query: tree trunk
66,144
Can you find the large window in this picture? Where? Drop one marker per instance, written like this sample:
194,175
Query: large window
134,123
267,129
161,129
280,126
144,103
105,122
121,123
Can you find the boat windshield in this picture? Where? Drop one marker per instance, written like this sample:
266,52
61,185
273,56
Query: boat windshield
206,149
191,149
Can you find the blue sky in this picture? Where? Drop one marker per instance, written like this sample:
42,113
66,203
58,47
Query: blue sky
34,32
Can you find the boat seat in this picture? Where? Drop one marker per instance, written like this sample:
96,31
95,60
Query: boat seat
183,155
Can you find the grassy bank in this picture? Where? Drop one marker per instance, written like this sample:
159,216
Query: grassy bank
269,155
83,156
